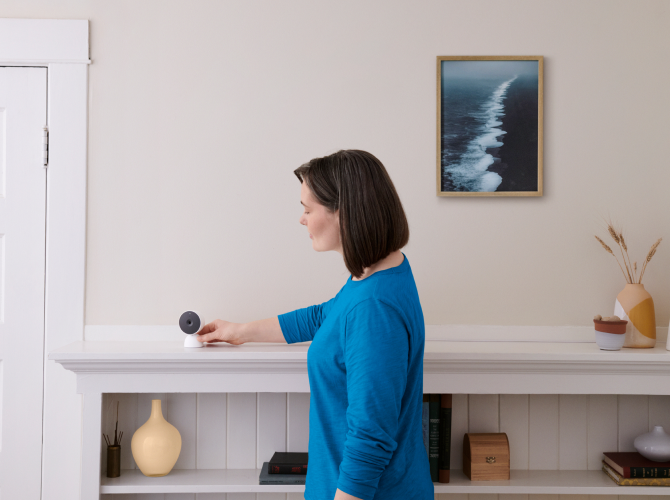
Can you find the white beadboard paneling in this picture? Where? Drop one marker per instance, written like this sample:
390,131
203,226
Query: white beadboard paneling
633,419
573,425
210,496
451,496
607,497
483,496
602,428
271,496
514,422
298,421
574,497
211,431
241,496
295,496
659,412
180,496
271,425
241,432
182,414
543,497
483,413
543,432
513,497
459,427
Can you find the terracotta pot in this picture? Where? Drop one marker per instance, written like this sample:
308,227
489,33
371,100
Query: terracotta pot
618,327
636,305
610,335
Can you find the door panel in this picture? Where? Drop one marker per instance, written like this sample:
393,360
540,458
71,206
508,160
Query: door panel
23,114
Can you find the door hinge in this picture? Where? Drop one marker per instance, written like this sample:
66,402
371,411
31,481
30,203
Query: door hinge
45,153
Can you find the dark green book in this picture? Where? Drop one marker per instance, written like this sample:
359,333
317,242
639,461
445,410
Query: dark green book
445,439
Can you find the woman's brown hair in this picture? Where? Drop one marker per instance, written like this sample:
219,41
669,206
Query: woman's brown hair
372,220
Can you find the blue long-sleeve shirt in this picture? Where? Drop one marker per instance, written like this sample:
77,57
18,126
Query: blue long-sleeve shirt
365,368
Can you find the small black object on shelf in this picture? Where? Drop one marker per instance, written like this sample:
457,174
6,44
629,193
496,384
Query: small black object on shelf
114,449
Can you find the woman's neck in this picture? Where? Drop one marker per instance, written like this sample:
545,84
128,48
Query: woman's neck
393,259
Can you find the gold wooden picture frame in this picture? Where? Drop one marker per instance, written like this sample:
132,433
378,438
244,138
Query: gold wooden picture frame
489,125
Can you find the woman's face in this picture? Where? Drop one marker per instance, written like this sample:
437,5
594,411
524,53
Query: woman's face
323,226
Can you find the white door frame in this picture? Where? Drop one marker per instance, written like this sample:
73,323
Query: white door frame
62,47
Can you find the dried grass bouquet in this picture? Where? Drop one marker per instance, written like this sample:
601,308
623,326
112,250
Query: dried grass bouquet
631,269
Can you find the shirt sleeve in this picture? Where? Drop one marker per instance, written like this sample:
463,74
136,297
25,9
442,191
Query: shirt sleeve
301,325
376,357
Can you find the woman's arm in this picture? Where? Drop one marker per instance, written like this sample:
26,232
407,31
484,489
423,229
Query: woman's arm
341,495
262,330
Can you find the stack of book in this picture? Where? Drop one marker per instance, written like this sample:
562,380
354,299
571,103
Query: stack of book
632,469
284,468
436,426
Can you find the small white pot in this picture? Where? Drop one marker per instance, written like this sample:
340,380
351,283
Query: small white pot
654,445
610,341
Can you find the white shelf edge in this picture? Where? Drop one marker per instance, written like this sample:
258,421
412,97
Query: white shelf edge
246,481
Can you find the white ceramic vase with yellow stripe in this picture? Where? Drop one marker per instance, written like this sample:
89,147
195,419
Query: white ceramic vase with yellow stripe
636,305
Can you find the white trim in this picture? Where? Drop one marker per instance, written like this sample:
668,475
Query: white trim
448,367
45,40
62,46
40,62
450,333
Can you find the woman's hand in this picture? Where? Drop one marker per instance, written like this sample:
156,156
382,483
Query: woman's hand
220,331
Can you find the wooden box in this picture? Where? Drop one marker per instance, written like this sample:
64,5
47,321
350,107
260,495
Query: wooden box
486,456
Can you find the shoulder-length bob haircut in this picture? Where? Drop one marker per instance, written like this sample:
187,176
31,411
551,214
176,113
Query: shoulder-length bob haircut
372,220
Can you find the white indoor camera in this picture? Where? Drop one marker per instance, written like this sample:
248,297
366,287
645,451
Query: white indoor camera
191,322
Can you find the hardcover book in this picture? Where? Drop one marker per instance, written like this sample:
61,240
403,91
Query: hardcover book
434,437
288,463
267,478
632,464
633,481
445,438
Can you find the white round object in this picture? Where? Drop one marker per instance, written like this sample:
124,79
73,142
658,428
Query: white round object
610,341
654,445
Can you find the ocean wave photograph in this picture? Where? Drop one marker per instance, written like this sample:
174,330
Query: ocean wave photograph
489,126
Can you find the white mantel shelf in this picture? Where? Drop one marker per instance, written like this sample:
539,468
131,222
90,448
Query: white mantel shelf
449,367
246,480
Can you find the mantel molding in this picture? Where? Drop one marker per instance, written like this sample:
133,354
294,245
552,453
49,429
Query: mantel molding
440,358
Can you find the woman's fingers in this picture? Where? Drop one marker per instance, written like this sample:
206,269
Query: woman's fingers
209,327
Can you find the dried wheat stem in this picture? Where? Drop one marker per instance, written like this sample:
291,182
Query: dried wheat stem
610,251
635,271
616,238
651,253
623,244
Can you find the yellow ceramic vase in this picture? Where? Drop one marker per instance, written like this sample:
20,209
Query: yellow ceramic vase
156,445
635,305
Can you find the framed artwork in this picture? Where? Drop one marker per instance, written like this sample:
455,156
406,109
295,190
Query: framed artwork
489,125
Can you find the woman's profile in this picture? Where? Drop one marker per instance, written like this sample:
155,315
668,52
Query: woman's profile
365,362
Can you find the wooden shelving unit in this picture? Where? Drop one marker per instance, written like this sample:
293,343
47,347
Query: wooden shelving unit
449,367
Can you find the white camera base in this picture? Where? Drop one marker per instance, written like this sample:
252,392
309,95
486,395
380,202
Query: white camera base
191,341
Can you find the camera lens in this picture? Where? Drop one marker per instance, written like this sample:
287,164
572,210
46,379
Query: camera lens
189,322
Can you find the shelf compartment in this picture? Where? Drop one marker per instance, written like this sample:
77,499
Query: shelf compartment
534,482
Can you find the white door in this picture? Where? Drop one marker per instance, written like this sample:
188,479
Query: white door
23,115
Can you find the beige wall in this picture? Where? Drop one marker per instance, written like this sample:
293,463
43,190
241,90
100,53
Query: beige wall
200,111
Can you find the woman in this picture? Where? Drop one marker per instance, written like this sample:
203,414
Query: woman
365,363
